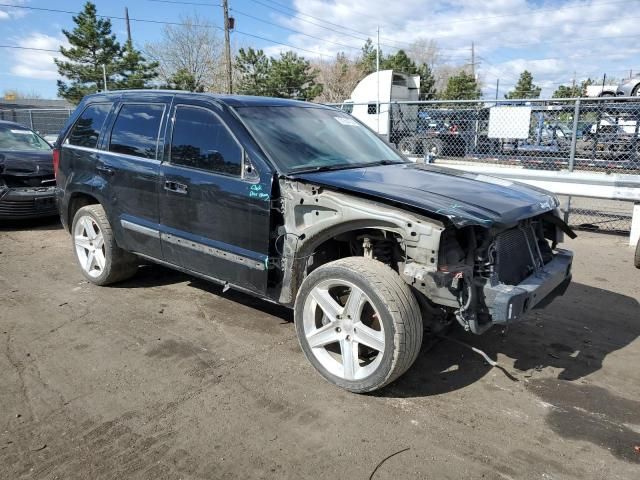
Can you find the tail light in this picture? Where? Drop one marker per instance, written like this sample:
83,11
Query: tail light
56,161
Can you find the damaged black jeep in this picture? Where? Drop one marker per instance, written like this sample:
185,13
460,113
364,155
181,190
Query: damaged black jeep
302,205
27,184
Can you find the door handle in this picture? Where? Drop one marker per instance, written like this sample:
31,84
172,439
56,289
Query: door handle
106,170
175,187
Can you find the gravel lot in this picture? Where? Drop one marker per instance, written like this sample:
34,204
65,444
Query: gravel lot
166,377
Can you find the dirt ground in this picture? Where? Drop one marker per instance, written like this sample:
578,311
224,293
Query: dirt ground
164,376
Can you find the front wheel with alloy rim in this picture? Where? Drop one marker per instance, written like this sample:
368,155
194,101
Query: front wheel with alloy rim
358,323
101,261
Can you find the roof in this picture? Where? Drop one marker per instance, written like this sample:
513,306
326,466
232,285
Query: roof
229,100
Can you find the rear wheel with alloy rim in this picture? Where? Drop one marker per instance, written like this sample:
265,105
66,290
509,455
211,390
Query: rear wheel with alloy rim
101,261
358,323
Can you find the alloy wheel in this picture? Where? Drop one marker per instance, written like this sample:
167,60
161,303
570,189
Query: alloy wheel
89,243
343,329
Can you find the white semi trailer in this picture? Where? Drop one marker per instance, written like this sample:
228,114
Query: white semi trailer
385,87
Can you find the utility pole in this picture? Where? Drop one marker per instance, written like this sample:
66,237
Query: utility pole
473,60
573,84
104,77
126,18
497,89
227,45
378,76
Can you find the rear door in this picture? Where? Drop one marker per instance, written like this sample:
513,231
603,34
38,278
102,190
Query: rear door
130,163
214,211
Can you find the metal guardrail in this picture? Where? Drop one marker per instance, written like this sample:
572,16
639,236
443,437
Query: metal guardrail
596,185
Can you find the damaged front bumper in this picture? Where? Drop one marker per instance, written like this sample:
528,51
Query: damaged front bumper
27,202
510,303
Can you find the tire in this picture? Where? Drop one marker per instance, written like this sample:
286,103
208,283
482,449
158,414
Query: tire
407,146
434,146
636,260
384,330
101,261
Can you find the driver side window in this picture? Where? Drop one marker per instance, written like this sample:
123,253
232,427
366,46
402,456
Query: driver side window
200,140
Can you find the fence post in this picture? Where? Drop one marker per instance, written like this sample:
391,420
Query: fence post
574,134
31,119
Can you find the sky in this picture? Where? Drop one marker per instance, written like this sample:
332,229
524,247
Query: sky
556,41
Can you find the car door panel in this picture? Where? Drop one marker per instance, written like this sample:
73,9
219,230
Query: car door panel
214,223
130,165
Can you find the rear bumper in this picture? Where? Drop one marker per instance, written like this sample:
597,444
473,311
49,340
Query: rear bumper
27,202
509,303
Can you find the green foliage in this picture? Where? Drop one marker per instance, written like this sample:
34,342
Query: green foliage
183,79
290,76
564,91
462,86
524,88
92,46
254,68
367,60
134,71
399,62
427,82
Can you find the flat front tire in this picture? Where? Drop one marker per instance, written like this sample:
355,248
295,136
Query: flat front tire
101,261
358,323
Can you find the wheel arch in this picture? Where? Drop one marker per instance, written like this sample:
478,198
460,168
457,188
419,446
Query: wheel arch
77,200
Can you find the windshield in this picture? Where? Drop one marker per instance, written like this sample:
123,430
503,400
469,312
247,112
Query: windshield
16,138
314,138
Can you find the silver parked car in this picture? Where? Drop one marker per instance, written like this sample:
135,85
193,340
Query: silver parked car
629,87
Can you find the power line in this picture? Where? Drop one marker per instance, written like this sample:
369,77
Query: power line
292,30
160,22
365,36
30,48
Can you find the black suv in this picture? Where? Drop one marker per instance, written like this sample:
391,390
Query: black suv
303,205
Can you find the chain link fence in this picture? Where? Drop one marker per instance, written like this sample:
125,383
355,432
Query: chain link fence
48,122
585,134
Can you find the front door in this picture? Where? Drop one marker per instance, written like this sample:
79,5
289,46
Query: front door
214,216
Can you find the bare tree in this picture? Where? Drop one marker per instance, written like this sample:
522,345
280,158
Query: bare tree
192,49
339,77
424,51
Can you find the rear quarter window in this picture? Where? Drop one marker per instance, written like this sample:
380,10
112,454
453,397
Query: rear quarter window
86,131
136,129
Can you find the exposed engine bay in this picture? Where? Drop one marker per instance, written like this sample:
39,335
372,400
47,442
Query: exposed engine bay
474,275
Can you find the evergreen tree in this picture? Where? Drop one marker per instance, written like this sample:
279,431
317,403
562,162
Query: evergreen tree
565,91
367,60
399,62
461,87
182,79
134,70
524,88
254,69
427,82
92,46
291,76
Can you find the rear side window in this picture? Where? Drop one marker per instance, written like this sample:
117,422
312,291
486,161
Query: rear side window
135,131
86,131
200,140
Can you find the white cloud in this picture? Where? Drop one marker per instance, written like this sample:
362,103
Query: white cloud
8,13
36,64
552,39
